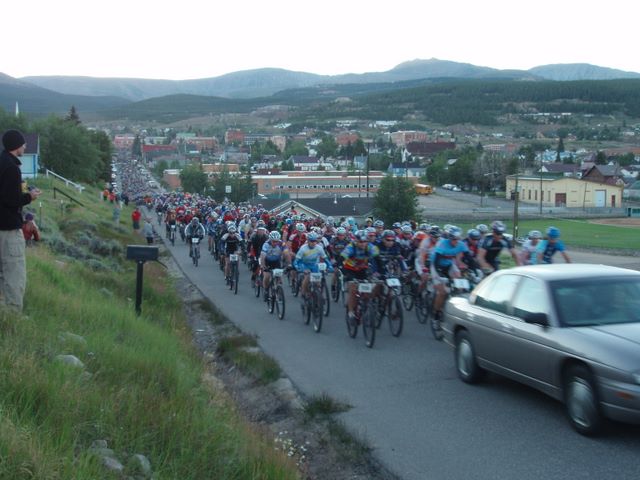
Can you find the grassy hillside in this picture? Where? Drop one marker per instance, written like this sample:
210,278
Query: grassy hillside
140,388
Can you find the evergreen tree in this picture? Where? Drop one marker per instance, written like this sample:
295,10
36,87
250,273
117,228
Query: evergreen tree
193,179
73,116
395,199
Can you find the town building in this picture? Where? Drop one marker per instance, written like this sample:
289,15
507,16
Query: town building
123,141
232,136
403,137
407,169
561,191
315,183
31,157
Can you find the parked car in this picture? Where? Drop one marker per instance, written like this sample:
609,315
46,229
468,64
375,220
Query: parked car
571,331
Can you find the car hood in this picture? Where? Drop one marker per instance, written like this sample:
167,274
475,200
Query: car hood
615,345
616,334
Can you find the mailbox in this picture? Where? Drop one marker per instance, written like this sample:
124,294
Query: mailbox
142,253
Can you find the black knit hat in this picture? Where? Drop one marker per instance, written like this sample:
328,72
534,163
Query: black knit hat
12,140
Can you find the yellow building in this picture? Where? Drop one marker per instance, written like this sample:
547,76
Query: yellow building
565,192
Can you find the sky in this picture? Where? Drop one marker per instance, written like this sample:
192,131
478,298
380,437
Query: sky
207,38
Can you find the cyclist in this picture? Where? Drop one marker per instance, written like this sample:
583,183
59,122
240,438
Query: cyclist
359,257
256,242
446,263
483,229
294,242
230,246
210,227
169,220
529,252
390,254
472,241
550,245
194,229
307,259
492,245
423,254
271,256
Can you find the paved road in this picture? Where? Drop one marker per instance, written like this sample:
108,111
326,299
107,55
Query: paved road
422,422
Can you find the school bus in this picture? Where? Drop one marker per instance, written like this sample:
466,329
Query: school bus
422,189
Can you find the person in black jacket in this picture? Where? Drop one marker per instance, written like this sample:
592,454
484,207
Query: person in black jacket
13,272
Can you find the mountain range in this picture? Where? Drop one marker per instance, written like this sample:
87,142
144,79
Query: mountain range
54,94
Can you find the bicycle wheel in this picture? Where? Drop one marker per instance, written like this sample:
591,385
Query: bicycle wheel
257,286
236,277
381,311
352,324
436,328
317,310
369,323
280,301
196,256
326,299
408,300
335,293
295,285
271,299
307,310
423,304
395,316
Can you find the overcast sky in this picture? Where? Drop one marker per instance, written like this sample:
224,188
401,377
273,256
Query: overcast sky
207,38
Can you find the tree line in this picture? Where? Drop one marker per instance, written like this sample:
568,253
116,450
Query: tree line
66,146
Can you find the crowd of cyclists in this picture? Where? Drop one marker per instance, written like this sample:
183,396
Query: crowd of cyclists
429,261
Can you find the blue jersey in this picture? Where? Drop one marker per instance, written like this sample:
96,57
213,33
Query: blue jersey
549,249
307,258
444,253
272,251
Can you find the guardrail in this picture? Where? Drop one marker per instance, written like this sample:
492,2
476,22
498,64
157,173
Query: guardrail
66,181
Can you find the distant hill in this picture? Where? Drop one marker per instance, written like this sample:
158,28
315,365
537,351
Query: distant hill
264,81
580,71
38,101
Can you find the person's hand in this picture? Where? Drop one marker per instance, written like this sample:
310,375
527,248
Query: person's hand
35,193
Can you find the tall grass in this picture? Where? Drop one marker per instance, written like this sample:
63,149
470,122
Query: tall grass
141,388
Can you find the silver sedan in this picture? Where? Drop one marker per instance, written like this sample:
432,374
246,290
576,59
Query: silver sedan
571,331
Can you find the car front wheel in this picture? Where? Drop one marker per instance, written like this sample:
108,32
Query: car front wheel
466,364
581,401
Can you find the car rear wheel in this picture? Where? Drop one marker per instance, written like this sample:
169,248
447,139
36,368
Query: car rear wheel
466,364
581,401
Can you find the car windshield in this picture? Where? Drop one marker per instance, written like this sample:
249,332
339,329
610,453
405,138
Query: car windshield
593,301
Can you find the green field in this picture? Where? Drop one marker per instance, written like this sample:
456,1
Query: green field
581,233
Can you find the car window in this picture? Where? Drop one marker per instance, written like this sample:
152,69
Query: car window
588,302
531,297
497,294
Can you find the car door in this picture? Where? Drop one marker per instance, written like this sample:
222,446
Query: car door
488,317
529,349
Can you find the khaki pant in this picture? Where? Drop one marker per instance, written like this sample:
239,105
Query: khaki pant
13,270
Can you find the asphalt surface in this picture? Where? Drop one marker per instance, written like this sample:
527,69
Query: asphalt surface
408,403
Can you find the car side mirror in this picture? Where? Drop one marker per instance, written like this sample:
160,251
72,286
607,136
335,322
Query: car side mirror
537,318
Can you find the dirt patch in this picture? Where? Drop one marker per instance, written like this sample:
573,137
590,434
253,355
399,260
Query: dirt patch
620,222
320,446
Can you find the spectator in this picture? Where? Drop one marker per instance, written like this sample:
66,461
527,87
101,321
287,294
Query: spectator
135,218
116,213
30,230
13,270
147,230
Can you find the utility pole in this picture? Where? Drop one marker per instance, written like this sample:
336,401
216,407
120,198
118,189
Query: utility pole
515,210
368,146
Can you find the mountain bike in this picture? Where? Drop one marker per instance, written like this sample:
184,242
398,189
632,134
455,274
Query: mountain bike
389,305
275,293
172,234
234,273
195,250
365,312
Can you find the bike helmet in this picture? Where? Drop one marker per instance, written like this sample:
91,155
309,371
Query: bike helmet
312,237
370,230
388,233
351,221
275,235
261,227
553,232
300,227
435,231
406,229
341,231
533,234
473,234
330,221
396,225
424,227
482,228
362,236
316,230
498,227
420,236
231,229
378,224
454,233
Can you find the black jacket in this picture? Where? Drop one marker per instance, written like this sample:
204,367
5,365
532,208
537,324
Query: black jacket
11,197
